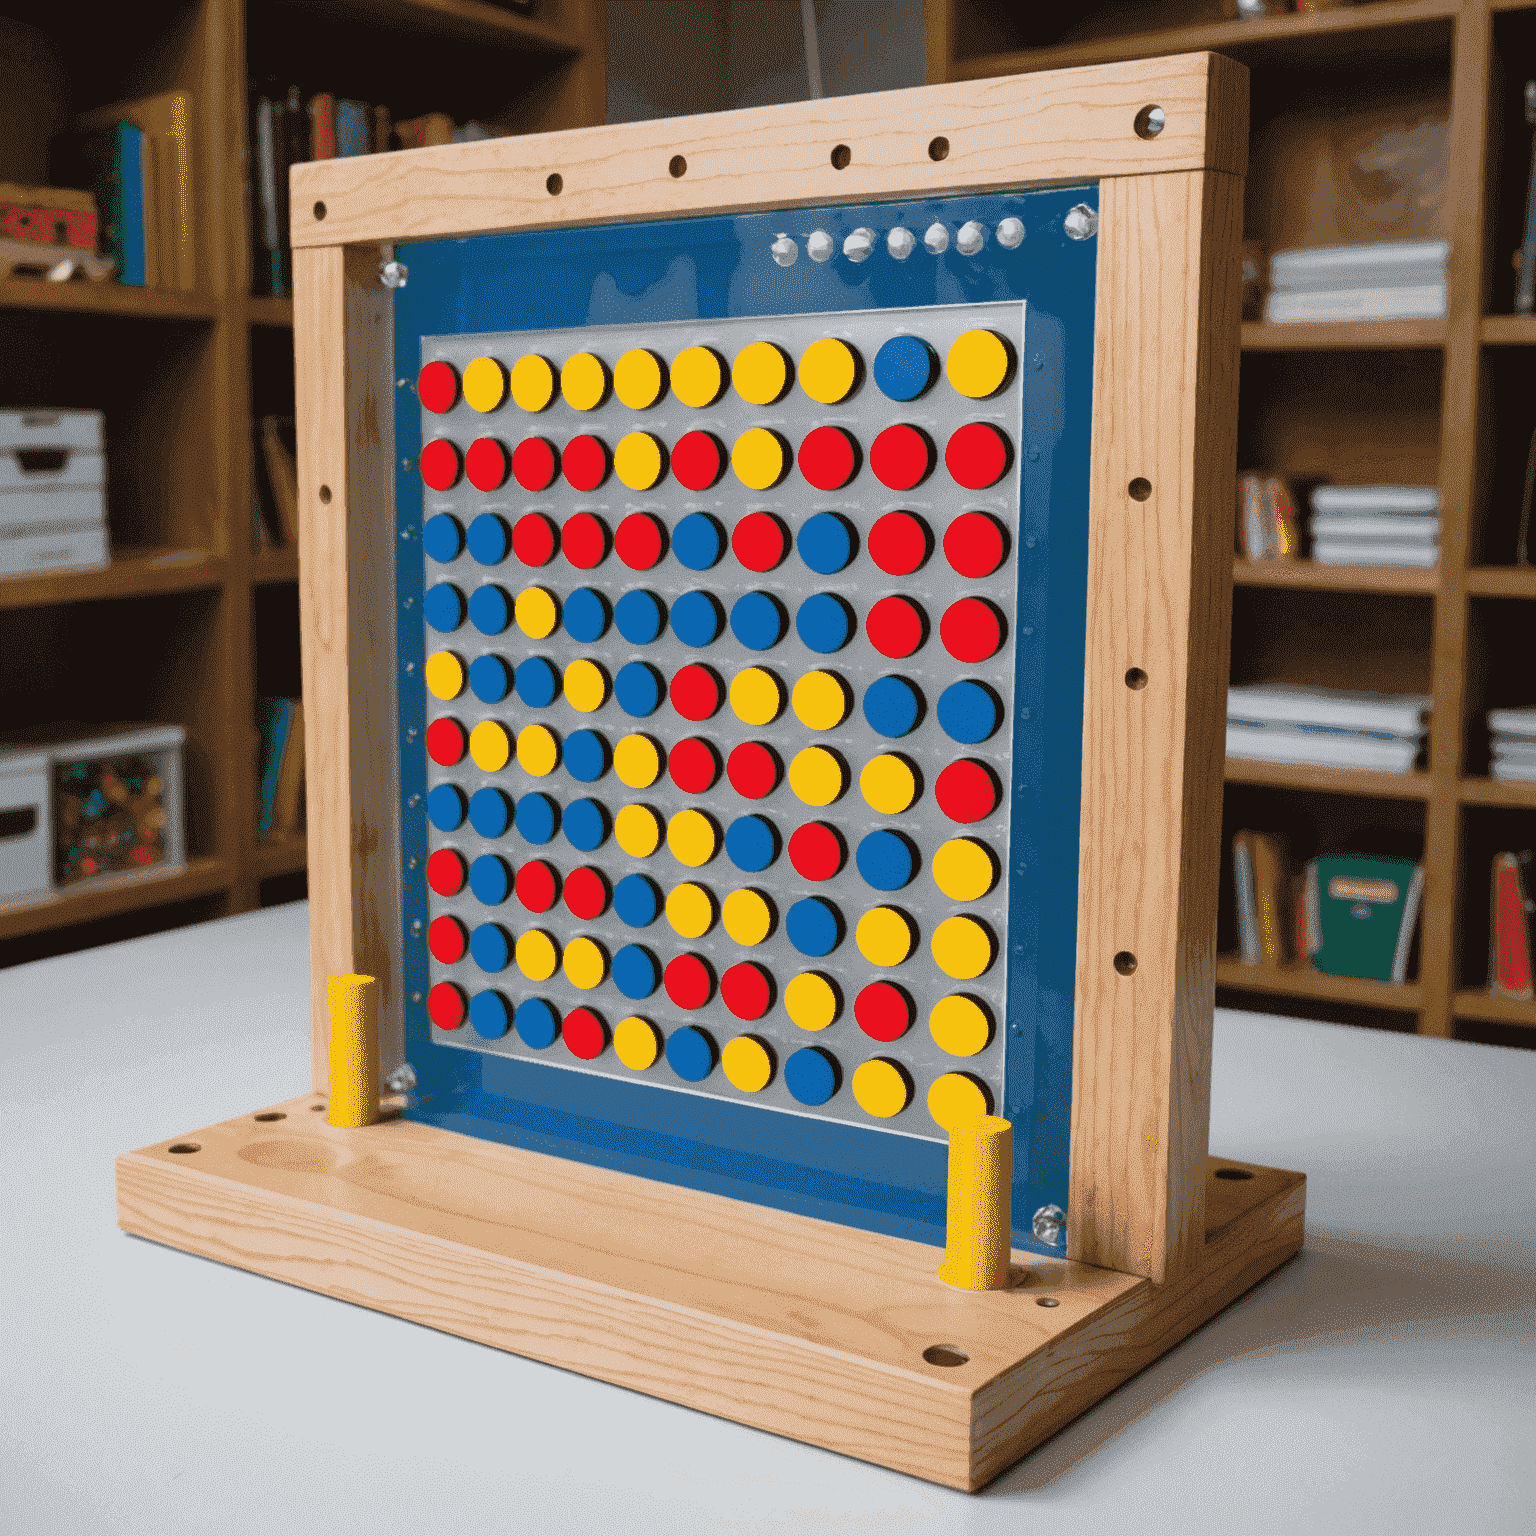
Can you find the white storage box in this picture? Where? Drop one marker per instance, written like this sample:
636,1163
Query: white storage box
53,508
72,547
26,825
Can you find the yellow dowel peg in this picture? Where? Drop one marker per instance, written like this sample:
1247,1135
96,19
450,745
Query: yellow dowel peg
980,1204
354,1020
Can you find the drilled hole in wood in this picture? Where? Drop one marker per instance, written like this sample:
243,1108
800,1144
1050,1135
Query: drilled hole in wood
678,166
841,155
185,1146
317,1107
1233,1173
319,210
1150,122
1140,488
1046,1301
1136,679
1125,963
554,184
271,1114
938,149
325,495
945,1354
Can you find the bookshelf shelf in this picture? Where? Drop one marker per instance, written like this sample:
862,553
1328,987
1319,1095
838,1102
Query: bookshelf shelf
1309,576
264,309
141,573
106,298
1509,330
127,893
1343,335
1506,792
1502,581
470,20
275,565
1472,1004
1303,981
1329,781
279,856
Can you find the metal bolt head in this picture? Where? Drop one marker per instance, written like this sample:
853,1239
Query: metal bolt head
1011,233
820,245
403,1078
393,274
1081,222
415,927
1049,1225
936,240
785,251
860,245
971,238
901,243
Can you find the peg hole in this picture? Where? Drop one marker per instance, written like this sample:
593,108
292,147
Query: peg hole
1233,1173
1125,963
1150,122
1136,679
678,166
183,1147
938,149
945,1354
1046,1301
317,1107
841,156
271,1114
319,210
325,495
1139,488
554,183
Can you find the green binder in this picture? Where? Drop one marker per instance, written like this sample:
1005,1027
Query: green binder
1361,913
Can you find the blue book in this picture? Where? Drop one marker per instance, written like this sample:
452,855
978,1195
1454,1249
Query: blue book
274,719
351,128
132,262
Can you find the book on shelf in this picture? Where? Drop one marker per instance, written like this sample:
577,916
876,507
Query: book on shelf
1509,928
1525,284
1337,551
276,434
1512,740
1388,280
1258,871
280,768
1375,525
114,166
1359,500
1327,727
1267,526
1360,912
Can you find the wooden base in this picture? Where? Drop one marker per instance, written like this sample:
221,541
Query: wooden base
820,1332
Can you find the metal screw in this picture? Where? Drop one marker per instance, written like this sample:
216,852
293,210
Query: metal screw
1010,233
860,245
416,928
820,247
409,603
403,1078
415,997
1081,222
406,463
785,251
410,668
901,243
408,531
393,274
413,801
411,733
412,862
1049,1225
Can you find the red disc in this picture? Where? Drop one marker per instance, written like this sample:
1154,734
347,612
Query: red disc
485,464
537,885
816,851
829,458
584,1033
688,981
439,464
534,463
447,940
639,541
971,629
586,893
966,791
884,1012
534,539
895,626
446,742
747,990
584,540
759,541
753,769
698,460
899,543
901,457
695,692
445,1005
585,462
437,387
977,455
445,872
694,766
974,544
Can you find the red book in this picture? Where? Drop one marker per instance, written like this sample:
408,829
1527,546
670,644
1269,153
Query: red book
1509,948
322,126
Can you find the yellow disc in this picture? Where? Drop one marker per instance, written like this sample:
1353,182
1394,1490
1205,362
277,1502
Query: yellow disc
639,377
484,384
637,761
888,784
536,613
537,955
585,964
747,917
959,1025
586,686
490,746
977,364
637,460
955,1098
584,382
811,1000
828,370
698,377
445,675
761,372
636,1043
533,382
537,750
747,1064
759,458
884,936
880,1087
690,910
816,776
820,701
963,869
691,838
757,696
962,948
637,830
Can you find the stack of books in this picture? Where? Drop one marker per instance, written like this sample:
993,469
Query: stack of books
1396,280
1512,735
1376,525
1331,727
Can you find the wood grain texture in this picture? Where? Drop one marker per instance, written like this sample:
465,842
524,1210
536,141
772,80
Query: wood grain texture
1159,599
1055,127
801,1327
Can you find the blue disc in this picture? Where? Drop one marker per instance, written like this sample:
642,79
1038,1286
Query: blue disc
635,971
698,541
640,616
490,812
696,619
490,947
445,807
538,684
585,756
637,901
690,1053
443,538
489,1015
892,706
751,843
444,607
537,818
905,368
810,1074
490,879
824,623
538,1025
826,543
490,609
968,712
586,615
638,689
811,925
488,539
585,823
757,620
490,679
886,860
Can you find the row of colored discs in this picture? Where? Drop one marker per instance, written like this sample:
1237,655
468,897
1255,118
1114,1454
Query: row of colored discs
978,365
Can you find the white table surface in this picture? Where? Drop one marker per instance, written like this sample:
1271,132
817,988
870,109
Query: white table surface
1383,1381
